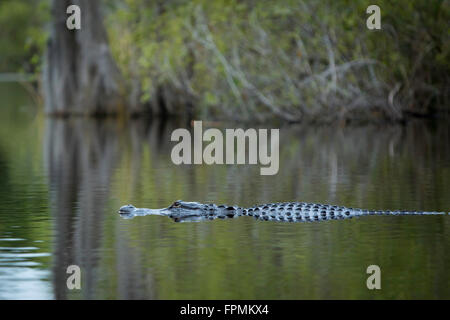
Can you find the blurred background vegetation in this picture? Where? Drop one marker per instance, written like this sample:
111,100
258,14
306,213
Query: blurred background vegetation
23,35
259,60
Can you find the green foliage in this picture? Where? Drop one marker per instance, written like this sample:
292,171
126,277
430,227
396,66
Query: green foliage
266,57
413,50
253,60
22,34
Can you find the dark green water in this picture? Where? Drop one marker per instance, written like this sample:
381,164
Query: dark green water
62,181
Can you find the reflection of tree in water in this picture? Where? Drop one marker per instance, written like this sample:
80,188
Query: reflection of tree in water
347,166
80,157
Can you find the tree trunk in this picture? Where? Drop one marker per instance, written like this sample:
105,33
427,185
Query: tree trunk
80,76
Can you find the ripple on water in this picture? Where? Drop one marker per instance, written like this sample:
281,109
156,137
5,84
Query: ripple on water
24,282
21,276
18,248
24,255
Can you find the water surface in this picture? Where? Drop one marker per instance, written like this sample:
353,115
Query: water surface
62,181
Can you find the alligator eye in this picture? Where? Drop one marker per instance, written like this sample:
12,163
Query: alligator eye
176,204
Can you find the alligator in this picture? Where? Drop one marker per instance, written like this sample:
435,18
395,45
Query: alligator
182,211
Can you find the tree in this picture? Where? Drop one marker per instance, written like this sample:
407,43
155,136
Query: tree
80,75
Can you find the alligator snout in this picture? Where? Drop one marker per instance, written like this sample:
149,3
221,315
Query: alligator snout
128,209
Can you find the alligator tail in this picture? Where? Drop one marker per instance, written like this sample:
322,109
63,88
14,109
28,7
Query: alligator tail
399,212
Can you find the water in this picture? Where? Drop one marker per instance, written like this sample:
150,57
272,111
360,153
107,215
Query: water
62,181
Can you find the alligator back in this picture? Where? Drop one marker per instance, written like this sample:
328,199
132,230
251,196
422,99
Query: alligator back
307,212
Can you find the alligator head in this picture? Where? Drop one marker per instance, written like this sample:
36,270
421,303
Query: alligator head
183,211
177,209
